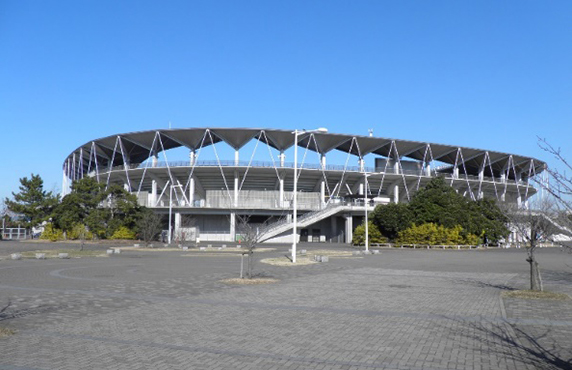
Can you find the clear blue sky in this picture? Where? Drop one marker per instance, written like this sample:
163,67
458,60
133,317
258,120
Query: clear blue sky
484,74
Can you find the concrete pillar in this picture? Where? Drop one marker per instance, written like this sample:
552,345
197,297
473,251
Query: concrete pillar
334,225
236,158
236,187
192,157
322,193
282,157
153,199
281,191
349,228
456,173
323,160
192,191
482,174
396,194
396,166
360,191
233,226
427,169
361,164
154,159
177,229
126,186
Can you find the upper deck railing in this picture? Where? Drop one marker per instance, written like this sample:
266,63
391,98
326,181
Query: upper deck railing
290,165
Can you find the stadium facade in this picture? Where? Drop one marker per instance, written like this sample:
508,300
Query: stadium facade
205,197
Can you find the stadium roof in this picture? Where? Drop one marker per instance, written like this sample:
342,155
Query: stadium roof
135,147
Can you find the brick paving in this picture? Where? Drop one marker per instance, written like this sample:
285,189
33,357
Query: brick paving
401,309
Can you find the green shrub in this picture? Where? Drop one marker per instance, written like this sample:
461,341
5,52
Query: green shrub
433,234
123,233
51,233
79,231
374,235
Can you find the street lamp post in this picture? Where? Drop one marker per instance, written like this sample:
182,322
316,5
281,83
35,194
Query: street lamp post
171,209
295,195
365,203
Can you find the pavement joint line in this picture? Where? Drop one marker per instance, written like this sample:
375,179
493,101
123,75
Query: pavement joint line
360,312
14,367
58,274
236,353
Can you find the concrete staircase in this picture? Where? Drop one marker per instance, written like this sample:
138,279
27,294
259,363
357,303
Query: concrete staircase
305,220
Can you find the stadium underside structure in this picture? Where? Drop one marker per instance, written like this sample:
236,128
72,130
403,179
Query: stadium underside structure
208,198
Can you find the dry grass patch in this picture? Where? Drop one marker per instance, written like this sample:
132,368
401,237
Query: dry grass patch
207,254
255,281
532,294
5,332
330,253
150,249
71,253
284,261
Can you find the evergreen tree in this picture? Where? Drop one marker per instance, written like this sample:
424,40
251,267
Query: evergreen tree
32,201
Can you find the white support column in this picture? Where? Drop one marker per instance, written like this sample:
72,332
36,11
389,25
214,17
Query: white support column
236,182
282,157
233,226
322,193
427,169
349,228
177,232
360,190
236,157
153,199
396,193
456,172
192,191
154,159
323,160
281,191
192,157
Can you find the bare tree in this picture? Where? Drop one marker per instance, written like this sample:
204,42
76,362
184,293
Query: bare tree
149,226
251,234
532,226
559,185
3,215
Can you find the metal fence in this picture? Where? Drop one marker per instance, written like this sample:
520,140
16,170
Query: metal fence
15,233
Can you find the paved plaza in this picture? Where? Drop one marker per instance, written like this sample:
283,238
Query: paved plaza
401,309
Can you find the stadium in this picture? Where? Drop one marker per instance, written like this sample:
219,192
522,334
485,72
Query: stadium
229,173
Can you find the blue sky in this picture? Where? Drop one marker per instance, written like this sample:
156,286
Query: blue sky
484,74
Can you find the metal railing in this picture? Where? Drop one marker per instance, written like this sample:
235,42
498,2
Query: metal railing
305,166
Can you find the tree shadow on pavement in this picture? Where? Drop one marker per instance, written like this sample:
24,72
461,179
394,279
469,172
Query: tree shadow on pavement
507,340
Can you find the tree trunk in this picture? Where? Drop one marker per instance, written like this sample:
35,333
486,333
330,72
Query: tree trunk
249,268
535,279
